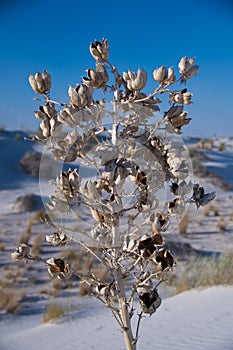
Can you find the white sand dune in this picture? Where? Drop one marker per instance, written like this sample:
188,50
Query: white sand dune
195,320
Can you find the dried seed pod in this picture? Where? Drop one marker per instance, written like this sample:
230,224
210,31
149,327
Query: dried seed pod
107,290
164,259
59,268
200,198
182,97
147,245
97,78
69,182
100,50
58,238
150,302
135,81
144,287
171,77
176,206
161,74
161,223
81,96
40,83
187,68
22,252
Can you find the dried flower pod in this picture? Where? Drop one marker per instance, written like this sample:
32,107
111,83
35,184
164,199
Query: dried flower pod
147,246
179,121
187,68
97,78
58,238
59,203
182,97
199,197
100,50
160,224
164,259
81,96
22,252
150,302
161,74
46,111
181,189
171,77
107,290
49,109
69,182
59,268
40,83
135,81
176,207
144,287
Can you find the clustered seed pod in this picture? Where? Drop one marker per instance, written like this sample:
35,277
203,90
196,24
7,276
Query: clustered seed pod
40,83
58,238
181,97
22,252
97,78
187,68
135,81
49,124
107,290
150,302
164,75
81,96
177,118
147,245
59,268
100,50
69,183
199,197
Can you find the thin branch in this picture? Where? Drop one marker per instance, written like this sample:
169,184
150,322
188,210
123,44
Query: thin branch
138,325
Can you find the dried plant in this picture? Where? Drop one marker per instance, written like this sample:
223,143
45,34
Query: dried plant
133,153
183,224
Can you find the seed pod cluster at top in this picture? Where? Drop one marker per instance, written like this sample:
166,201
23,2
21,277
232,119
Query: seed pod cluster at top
100,50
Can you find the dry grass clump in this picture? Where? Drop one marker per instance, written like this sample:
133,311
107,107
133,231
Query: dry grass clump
37,245
26,235
221,225
55,311
210,210
2,247
206,272
10,300
183,224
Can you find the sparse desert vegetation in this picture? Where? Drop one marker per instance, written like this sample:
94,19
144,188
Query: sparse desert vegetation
206,271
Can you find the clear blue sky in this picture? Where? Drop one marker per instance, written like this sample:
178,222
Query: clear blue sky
55,35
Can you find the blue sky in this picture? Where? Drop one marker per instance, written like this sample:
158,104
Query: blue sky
55,35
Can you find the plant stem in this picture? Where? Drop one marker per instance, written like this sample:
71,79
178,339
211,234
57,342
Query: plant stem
124,312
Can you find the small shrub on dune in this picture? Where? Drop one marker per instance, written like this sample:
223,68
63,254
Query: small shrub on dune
10,300
206,272
54,312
